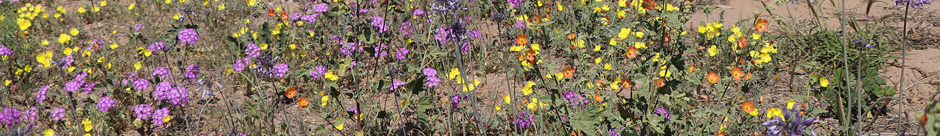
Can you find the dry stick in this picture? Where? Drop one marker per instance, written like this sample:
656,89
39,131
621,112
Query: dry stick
903,58
845,67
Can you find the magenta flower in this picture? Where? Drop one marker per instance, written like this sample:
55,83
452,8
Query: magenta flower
317,72
417,12
310,18
67,61
31,114
296,15
5,51
41,94
401,53
158,115
441,35
253,50
280,70
191,71
57,114
89,87
178,96
523,120
159,71
240,64
105,103
432,81
322,7
137,27
396,84
143,111
188,36
141,84
73,85
157,46
162,90
10,116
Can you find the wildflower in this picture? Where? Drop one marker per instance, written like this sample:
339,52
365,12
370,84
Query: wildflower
712,77
329,75
280,70
823,82
5,51
322,7
141,84
143,111
455,100
105,103
664,112
157,46
860,42
57,114
160,72
324,99
240,64
64,38
523,120
302,102
528,88
179,96
788,123
712,51
317,72
162,90
158,116
913,3
73,85
89,87
41,94
577,101
30,114
748,107
396,84
737,73
401,53
48,132
191,71
10,116
252,51
188,36
624,32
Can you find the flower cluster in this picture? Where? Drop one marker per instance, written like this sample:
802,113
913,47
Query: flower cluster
523,120
188,36
577,101
105,103
789,122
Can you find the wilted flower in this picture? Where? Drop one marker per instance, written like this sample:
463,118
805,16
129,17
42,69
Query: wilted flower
105,103
57,114
143,111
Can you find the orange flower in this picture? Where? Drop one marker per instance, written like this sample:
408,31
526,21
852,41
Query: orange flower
303,101
571,36
712,77
271,12
283,15
660,82
521,39
748,76
597,97
747,106
742,42
627,84
691,68
569,72
632,52
530,56
290,93
761,25
737,73
666,39
649,4
720,134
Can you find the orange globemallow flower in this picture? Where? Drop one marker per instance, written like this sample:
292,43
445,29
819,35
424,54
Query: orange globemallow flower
737,73
627,84
761,25
597,97
303,102
666,38
747,106
660,82
283,15
530,56
571,36
748,76
691,68
569,72
521,39
632,52
712,77
290,93
742,42
271,12
649,4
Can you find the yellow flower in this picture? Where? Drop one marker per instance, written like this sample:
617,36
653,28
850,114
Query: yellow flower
340,126
712,51
263,46
103,3
95,9
64,38
87,125
45,58
48,132
621,13
167,119
329,75
507,98
168,1
656,58
81,9
613,41
454,72
607,66
324,99
775,112
23,23
114,45
823,82
137,66
497,108
790,104
640,45
560,8
131,7
536,48
292,46
622,3
597,48
624,32
638,34
176,16
251,3
221,7
532,105
755,36
528,88
579,43
669,7
7,82
598,60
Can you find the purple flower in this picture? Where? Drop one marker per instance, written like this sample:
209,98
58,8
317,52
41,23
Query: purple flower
455,100
241,134
346,50
162,90
380,51
89,87
191,71
322,7
429,72
913,3
432,81
10,116
396,84
137,27
159,71
296,15
157,118
577,101
520,24
354,110
157,46
5,51
515,3
613,132
30,114
401,53
105,103
57,114
143,111
523,120
188,36
406,28
141,84
179,96
73,85
253,50
664,112
417,12
67,61
317,72
794,124
310,18
280,70
41,94
240,64
441,35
